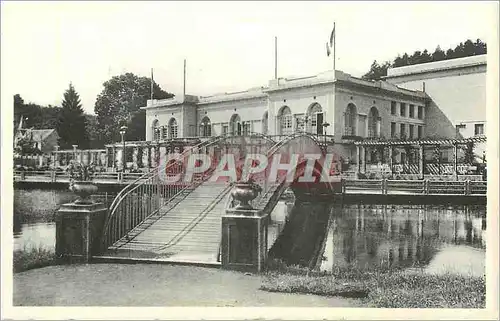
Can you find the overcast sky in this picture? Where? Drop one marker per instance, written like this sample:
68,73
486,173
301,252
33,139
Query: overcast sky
229,46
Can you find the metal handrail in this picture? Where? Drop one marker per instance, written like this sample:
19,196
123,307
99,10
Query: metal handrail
155,186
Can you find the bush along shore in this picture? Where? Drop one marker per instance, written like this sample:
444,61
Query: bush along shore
32,258
381,288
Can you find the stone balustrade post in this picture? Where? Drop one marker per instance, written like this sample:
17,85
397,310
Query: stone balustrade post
135,154
145,156
113,156
153,156
244,240
78,231
119,158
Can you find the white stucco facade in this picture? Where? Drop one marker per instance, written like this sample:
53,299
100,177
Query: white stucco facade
352,107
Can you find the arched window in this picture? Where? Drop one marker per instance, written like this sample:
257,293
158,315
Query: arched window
350,119
205,127
373,123
235,125
155,130
285,121
315,119
265,121
172,126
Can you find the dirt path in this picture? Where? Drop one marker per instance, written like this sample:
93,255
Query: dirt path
152,285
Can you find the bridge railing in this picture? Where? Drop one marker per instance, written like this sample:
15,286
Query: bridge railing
145,196
425,187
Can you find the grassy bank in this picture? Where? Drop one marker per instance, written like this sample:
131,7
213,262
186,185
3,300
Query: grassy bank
32,258
383,288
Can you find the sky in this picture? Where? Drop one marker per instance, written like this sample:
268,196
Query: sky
229,46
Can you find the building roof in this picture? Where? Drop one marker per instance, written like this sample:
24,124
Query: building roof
284,83
437,66
38,135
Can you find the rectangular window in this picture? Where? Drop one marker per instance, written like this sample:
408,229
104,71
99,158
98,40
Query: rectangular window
164,132
420,112
402,110
299,123
478,129
402,131
393,108
225,129
173,131
412,128
419,131
393,130
412,111
246,128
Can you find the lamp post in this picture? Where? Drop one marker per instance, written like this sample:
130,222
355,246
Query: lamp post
123,130
74,152
325,125
306,120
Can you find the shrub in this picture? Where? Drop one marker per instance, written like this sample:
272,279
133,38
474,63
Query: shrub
32,258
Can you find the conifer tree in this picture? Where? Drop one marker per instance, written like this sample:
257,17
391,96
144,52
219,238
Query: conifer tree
71,125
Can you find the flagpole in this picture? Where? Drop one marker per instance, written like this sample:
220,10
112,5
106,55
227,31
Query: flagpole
334,77
334,56
275,57
184,87
152,84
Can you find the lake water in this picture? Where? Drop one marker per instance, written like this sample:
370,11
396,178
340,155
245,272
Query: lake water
434,238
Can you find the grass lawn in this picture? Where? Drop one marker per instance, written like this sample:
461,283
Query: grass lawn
383,288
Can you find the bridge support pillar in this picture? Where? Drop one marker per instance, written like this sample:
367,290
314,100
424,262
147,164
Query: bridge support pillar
244,240
78,229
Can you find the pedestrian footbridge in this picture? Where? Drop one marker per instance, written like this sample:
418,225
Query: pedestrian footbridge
174,212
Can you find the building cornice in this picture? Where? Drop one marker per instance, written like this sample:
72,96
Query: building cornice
429,68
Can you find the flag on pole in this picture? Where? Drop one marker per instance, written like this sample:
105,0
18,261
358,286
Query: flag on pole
332,35
331,43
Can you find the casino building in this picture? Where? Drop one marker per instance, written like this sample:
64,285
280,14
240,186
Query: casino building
420,101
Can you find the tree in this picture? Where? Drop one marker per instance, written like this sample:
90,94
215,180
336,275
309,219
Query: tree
377,71
438,54
71,125
119,104
18,101
466,49
426,57
92,132
480,47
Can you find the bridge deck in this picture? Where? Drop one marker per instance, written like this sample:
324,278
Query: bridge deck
187,229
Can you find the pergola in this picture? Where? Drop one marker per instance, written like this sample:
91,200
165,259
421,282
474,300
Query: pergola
363,145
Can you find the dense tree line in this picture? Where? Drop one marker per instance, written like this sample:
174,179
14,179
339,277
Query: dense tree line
118,104
70,121
464,49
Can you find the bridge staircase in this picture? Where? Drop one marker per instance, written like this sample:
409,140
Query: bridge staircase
188,226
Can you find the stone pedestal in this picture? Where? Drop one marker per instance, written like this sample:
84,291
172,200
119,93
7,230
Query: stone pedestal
244,240
78,231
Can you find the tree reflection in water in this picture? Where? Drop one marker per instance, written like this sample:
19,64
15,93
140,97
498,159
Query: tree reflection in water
378,235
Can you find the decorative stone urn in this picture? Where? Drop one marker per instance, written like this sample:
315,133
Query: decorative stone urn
84,189
244,192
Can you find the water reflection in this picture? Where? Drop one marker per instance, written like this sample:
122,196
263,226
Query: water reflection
34,215
434,237
401,236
